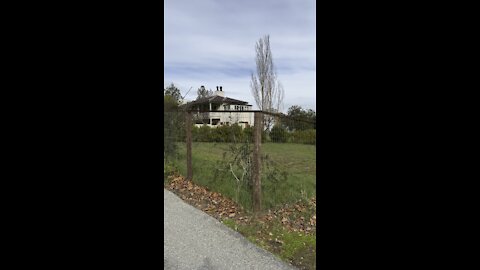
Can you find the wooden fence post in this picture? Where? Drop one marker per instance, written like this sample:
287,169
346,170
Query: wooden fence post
188,130
257,140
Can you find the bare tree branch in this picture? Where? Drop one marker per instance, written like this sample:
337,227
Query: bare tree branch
266,90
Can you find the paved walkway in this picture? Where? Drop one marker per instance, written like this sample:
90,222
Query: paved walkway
194,240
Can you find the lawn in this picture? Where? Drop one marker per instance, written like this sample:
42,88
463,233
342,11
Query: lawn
295,162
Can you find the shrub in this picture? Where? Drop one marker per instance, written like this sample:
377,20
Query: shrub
236,134
278,134
264,136
221,134
195,131
248,133
233,133
304,136
203,134
171,133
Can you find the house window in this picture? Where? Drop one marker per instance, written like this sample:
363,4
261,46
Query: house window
215,122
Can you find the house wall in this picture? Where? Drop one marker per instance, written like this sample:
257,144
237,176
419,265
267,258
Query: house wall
232,117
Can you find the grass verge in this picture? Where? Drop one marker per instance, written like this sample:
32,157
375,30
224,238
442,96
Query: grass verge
297,248
297,161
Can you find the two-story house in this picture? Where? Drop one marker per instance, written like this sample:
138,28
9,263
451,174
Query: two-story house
236,111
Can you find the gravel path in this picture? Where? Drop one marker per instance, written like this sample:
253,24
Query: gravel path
194,240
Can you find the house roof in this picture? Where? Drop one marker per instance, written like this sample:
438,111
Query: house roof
216,99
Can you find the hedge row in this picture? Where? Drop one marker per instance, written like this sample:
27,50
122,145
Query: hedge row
280,134
308,136
235,133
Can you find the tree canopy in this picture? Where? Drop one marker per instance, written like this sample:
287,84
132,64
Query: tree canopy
171,98
173,91
173,121
300,119
203,93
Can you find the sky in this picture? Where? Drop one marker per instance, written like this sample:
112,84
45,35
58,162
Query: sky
212,43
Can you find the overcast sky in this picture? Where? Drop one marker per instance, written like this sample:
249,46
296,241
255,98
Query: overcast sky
212,42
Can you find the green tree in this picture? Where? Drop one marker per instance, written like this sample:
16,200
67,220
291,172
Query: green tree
174,92
170,104
173,121
300,119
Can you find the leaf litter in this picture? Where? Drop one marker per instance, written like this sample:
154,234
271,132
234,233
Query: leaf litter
299,217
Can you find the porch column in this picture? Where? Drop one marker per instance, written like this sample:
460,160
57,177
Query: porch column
209,114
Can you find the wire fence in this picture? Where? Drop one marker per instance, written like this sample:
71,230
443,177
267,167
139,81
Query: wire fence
232,152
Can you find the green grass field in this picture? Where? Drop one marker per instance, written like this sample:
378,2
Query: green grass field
298,161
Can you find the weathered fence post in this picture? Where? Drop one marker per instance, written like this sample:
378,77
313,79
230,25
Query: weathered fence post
188,130
257,140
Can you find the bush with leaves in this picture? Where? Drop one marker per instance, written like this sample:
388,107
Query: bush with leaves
233,133
278,134
236,133
248,133
203,134
308,136
173,125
